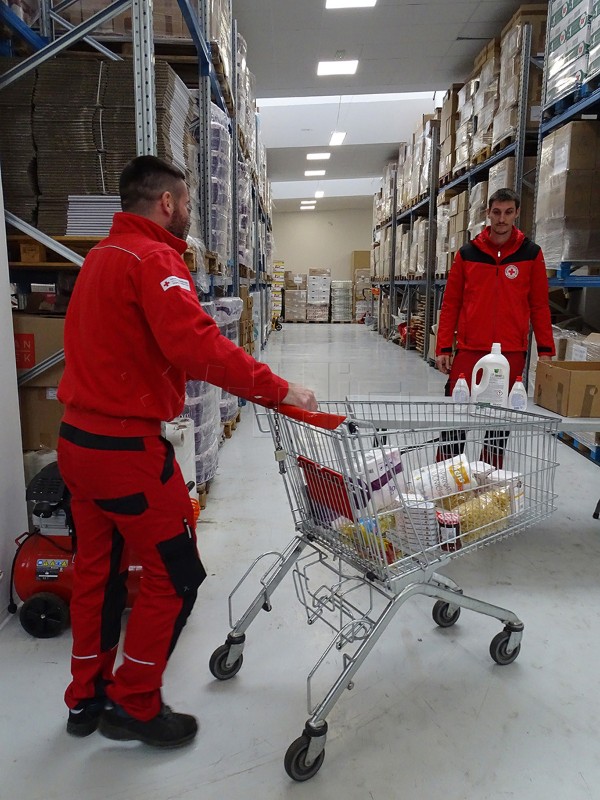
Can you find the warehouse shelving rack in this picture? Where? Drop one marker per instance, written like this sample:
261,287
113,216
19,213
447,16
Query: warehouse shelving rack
47,44
431,286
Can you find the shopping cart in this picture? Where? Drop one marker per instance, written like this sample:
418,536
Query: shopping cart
378,513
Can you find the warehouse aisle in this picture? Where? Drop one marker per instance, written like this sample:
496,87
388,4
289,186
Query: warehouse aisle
430,714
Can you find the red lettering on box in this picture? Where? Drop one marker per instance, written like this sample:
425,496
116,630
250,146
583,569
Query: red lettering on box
25,350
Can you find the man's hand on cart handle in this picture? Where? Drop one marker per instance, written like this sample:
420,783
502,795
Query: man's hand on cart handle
302,398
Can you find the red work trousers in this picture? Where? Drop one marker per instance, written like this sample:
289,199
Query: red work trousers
128,495
495,441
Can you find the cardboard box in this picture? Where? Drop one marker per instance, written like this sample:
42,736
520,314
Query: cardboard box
360,259
36,338
294,280
41,414
569,388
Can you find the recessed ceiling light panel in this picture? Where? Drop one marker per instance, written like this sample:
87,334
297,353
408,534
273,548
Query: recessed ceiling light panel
337,138
350,3
314,173
319,193
348,67
307,208
318,156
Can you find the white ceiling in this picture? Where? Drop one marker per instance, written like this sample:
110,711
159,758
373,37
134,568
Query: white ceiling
403,46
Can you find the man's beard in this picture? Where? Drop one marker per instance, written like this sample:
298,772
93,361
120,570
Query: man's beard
178,226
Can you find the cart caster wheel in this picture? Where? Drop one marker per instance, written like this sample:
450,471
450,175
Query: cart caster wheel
498,649
218,664
44,615
294,761
279,326
442,616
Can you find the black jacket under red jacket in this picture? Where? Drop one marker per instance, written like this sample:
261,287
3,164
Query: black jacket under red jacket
493,294
135,331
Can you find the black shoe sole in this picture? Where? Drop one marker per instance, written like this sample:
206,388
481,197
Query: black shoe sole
121,734
81,730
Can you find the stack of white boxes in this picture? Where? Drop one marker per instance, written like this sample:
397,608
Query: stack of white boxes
594,54
569,34
317,298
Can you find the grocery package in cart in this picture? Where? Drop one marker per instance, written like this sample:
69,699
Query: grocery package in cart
383,495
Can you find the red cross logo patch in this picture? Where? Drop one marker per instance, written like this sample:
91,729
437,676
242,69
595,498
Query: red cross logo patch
511,272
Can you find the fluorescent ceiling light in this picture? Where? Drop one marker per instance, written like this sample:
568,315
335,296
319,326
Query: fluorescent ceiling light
313,173
337,67
307,208
318,156
337,138
319,193
307,202
391,97
350,3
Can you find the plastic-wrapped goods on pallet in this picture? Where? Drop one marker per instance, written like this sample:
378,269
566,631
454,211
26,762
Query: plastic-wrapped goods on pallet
257,317
317,312
220,152
228,311
567,211
341,301
241,55
180,432
202,407
244,216
219,21
295,305
194,258
568,49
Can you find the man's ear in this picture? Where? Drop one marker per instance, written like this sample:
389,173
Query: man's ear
166,203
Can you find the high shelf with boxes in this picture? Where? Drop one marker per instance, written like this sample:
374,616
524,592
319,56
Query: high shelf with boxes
488,134
489,129
183,115
567,209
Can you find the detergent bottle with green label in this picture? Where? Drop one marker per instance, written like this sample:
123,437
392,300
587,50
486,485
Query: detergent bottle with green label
490,379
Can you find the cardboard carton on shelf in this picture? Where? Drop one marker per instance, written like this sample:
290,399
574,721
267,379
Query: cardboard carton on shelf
569,388
36,338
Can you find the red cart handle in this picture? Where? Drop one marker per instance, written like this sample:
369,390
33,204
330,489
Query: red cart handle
320,419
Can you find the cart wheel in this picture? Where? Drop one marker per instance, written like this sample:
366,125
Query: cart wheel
218,664
441,615
294,761
44,615
498,649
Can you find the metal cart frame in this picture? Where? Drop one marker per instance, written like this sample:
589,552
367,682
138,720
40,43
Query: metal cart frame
377,544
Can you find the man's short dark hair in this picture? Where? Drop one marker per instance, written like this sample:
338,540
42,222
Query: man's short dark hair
144,180
504,196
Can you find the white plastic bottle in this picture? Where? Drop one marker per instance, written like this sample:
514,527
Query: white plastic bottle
517,399
494,372
460,393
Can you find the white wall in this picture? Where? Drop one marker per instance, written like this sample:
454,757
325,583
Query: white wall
13,511
323,239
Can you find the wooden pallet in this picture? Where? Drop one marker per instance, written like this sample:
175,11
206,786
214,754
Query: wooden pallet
23,251
231,425
212,264
219,65
341,321
203,489
504,142
593,453
481,156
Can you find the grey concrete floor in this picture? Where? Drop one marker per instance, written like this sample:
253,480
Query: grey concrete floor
430,714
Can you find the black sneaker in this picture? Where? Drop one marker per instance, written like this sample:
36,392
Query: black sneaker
84,718
166,729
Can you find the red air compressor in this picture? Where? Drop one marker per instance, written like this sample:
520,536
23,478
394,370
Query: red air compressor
42,569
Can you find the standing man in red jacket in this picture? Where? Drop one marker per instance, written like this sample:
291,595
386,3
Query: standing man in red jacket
134,332
496,288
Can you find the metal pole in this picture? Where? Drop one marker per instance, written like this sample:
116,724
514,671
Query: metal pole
143,68
522,114
434,170
204,130
393,292
234,169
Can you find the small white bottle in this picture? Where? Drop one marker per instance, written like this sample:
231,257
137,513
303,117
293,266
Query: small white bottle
492,386
460,393
517,399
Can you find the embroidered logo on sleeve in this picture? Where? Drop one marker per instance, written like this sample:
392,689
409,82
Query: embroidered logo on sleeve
172,281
